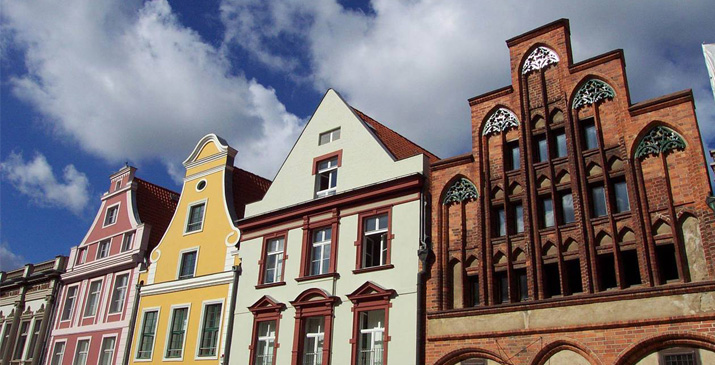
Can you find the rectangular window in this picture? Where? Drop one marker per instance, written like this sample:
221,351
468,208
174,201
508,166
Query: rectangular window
567,211
560,138
522,286
58,353
598,201
146,340
371,340
21,339
90,309
273,271
5,336
107,354
667,264
81,255
188,265
196,218
374,251
680,359
320,251
265,343
513,156
606,271
541,152
329,136
590,138
80,356
119,293
69,303
111,216
473,281
547,212
518,218
499,222
501,286
103,248
33,339
573,273
313,341
175,347
327,177
209,332
629,259
622,203
127,241
552,283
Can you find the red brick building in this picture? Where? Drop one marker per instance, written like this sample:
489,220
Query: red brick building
577,230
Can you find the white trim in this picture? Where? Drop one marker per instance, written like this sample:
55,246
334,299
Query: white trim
196,187
140,334
94,224
181,256
109,248
223,148
113,287
205,202
118,205
225,277
204,173
30,336
114,350
88,293
54,347
76,345
204,304
168,332
64,302
124,237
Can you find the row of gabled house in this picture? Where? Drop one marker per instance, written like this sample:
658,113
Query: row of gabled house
576,231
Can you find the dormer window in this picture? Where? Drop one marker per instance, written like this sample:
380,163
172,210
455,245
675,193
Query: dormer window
111,216
327,177
195,218
329,136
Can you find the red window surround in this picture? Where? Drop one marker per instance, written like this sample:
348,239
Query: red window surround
265,309
368,297
308,229
361,239
313,302
261,262
327,156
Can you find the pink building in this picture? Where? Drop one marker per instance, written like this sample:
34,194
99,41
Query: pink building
95,307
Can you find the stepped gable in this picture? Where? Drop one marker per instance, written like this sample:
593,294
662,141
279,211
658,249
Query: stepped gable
399,146
247,188
156,206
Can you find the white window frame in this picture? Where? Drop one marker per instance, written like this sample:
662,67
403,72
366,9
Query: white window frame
99,297
372,332
156,332
108,242
260,338
74,302
181,256
76,347
383,243
278,270
205,202
62,354
106,214
204,304
320,245
124,295
131,236
17,338
315,335
331,133
82,255
168,332
114,348
330,190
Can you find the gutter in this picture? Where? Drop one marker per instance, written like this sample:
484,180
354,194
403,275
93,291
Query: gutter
423,254
237,270
132,323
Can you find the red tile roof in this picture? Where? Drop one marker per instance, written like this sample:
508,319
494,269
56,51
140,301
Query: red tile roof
399,146
156,206
247,188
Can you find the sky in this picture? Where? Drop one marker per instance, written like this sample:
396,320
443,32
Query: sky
89,85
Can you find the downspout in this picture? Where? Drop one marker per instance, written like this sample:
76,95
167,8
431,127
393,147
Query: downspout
423,254
237,270
132,323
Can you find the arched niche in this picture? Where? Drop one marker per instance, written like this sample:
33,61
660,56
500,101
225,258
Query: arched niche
689,231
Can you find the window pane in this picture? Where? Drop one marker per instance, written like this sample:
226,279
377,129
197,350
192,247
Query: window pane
196,217
209,335
598,201
622,203
105,358
33,339
567,208
92,298
514,156
500,220
547,212
561,150
127,243
519,218
69,303
265,343
370,346
188,265
324,138
589,133
542,152
274,261
21,339
58,354
320,251
146,342
119,293
176,336
313,341
80,358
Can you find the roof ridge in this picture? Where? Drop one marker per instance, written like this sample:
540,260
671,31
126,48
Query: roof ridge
156,185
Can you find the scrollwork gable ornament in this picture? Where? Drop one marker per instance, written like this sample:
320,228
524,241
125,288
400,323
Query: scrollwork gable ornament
591,92
461,190
501,120
659,140
538,59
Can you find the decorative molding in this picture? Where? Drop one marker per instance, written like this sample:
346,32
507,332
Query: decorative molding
501,120
591,92
188,284
659,140
538,59
461,190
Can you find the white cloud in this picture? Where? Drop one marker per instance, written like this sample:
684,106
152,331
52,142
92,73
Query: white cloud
125,80
413,64
36,180
8,259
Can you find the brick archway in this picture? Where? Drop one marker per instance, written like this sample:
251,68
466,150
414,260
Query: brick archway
468,353
660,342
559,345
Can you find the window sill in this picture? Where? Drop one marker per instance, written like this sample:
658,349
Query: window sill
374,268
316,277
599,219
263,286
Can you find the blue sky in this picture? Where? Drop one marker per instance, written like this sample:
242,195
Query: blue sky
87,85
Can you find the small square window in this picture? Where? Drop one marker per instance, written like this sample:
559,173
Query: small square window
326,177
103,248
196,217
111,216
188,265
329,136
374,250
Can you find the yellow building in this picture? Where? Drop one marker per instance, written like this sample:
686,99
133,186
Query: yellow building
185,295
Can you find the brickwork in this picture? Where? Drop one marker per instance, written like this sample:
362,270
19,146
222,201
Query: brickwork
597,220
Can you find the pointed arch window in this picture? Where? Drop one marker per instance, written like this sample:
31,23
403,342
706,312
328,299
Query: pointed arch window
592,92
659,140
538,59
501,120
460,190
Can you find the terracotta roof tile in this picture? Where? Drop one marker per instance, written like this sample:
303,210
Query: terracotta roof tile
399,146
156,206
247,188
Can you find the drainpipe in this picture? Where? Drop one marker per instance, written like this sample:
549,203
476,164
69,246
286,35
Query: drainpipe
237,270
132,323
423,254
